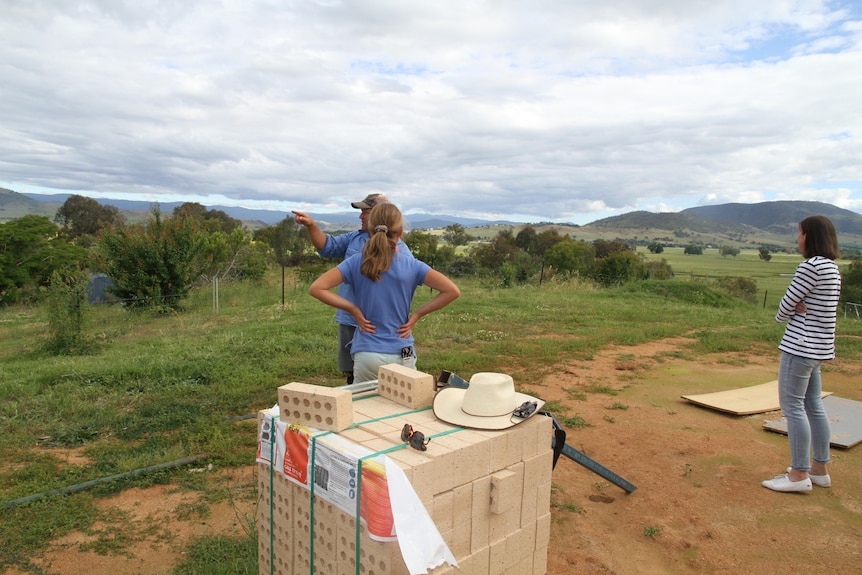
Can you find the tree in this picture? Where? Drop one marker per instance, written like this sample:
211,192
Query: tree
30,252
455,235
655,248
851,282
492,255
729,251
545,241
526,239
693,249
287,239
572,257
83,218
153,263
764,254
288,242
210,220
422,245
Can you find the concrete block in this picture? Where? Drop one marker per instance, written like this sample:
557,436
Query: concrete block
316,406
403,385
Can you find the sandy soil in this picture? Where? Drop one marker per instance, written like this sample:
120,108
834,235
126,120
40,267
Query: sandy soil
698,507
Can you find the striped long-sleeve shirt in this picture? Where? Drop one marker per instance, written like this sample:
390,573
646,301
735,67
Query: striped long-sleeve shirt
817,284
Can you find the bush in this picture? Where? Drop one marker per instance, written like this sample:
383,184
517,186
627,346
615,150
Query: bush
741,287
461,266
67,302
660,270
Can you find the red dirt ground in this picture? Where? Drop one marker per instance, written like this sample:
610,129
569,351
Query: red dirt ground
698,507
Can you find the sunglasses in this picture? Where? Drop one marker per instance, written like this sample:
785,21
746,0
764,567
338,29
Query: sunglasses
416,439
525,410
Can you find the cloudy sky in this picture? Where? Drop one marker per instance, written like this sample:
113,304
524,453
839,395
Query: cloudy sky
547,110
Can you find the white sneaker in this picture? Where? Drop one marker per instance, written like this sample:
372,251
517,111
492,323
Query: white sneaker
782,483
818,480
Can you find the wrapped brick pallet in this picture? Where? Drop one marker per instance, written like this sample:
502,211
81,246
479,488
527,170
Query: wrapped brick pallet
487,492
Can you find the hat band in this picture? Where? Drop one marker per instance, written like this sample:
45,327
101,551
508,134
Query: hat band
485,412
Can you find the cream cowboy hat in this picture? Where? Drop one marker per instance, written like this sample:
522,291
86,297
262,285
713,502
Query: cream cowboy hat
487,403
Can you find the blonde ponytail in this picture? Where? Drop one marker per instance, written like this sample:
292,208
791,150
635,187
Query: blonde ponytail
386,223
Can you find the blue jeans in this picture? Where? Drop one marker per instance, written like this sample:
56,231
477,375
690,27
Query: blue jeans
800,396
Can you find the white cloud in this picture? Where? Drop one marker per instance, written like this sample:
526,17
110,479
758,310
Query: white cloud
555,111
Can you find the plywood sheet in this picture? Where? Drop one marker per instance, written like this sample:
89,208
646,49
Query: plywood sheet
845,419
742,401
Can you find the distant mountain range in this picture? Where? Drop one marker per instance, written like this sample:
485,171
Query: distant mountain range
765,222
338,220
780,217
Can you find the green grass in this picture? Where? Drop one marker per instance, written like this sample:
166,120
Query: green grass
155,388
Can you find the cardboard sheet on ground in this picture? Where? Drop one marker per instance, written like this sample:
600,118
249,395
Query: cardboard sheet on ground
845,418
742,401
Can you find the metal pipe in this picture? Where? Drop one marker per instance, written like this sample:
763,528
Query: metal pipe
93,482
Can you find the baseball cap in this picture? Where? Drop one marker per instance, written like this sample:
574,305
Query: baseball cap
370,201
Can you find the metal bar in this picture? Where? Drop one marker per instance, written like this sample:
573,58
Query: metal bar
596,467
355,388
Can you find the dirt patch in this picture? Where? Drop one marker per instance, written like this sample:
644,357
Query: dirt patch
698,507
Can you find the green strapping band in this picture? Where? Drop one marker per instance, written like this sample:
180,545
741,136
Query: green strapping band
311,479
272,497
311,496
359,479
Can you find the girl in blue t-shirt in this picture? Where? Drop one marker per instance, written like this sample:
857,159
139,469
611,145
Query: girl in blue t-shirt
384,280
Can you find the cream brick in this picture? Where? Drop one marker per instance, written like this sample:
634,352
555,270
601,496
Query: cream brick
543,531
463,495
316,406
482,497
408,387
502,525
506,488
540,562
459,545
373,407
498,559
378,444
498,446
443,512
476,563
382,428
543,499
422,470
357,434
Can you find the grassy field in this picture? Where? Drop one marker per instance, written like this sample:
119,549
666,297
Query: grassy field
153,389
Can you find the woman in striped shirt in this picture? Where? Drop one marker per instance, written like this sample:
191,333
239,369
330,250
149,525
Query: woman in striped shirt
809,307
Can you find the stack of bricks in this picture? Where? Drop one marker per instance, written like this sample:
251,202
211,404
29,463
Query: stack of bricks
488,492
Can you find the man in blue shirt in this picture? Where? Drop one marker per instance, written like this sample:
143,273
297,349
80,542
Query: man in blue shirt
343,246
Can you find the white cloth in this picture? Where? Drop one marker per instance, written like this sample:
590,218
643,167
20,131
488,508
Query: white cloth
422,546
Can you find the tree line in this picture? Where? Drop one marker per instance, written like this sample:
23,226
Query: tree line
157,262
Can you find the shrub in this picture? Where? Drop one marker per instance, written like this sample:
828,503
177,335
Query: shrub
741,287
